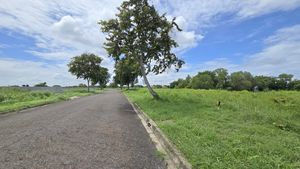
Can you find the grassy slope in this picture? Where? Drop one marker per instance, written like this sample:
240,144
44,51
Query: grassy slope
16,99
251,130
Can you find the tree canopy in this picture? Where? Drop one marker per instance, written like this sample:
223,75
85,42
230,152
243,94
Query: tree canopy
220,79
101,77
126,72
87,67
141,34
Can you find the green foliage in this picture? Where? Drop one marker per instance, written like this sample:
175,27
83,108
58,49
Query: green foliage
143,36
263,82
82,85
249,130
203,80
295,85
101,77
12,99
113,85
219,79
126,72
284,80
182,83
2,98
157,86
84,66
87,66
241,81
44,84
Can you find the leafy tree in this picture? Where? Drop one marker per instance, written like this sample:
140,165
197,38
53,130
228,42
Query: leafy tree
181,83
264,82
44,84
174,84
101,77
294,85
188,80
82,85
241,80
86,66
113,85
221,78
139,32
126,72
284,80
203,80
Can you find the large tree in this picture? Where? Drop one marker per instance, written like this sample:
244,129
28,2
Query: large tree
101,77
264,82
203,80
241,80
126,72
140,33
284,80
221,78
86,66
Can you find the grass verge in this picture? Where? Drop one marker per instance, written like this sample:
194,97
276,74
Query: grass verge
13,99
248,130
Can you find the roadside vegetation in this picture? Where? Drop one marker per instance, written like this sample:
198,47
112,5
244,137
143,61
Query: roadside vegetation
13,99
228,129
221,79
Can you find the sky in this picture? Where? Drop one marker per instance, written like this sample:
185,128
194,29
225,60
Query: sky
38,38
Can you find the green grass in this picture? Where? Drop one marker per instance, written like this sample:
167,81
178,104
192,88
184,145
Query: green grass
13,99
250,130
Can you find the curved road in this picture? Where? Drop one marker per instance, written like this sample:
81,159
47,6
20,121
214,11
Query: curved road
100,131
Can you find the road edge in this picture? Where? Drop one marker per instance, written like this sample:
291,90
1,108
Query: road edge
173,158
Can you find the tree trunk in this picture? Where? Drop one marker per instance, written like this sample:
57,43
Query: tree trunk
128,86
88,82
152,92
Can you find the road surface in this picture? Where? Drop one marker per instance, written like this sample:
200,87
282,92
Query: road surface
99,131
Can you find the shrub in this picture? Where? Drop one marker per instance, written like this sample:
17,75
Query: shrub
2,98
47,94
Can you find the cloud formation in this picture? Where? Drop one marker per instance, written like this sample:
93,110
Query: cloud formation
63,29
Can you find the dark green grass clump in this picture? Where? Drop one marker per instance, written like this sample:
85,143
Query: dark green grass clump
247,130
12,99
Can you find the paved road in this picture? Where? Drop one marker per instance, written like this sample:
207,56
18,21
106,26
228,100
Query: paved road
100,131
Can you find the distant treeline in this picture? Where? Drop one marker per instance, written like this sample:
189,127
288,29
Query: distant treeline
221,79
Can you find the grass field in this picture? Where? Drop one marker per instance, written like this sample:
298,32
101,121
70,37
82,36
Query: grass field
12,99
250,130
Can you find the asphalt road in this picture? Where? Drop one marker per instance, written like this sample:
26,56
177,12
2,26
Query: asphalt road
95,132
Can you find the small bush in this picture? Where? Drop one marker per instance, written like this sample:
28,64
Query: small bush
47,94
2,98
41,95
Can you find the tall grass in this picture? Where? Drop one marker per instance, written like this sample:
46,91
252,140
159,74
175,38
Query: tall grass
12,99
248,130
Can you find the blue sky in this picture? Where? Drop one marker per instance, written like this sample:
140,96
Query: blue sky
38,38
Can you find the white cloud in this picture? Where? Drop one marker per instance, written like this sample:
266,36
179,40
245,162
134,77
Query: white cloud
15,72
62,29
187,40
59,26
253,8
281,54
202,13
